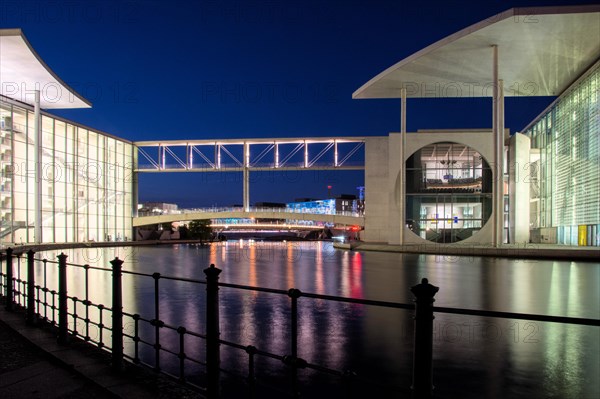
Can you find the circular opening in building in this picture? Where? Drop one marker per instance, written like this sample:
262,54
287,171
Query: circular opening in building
448,192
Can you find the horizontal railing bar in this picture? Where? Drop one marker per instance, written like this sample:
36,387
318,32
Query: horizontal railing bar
197,361
137,273
104,269
324,369
520,316
471,312
195,334
250,288
145,342
189,280
278,357
169,351
47,260
145,320
258,351
359,301
192,359
131,358
232,344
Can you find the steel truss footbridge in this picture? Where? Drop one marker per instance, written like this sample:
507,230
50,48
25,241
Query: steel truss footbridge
251,155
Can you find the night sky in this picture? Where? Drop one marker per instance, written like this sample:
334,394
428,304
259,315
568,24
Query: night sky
227,69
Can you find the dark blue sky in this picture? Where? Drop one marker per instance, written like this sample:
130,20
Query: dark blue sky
184,69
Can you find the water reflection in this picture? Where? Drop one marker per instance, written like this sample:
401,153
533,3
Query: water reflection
474,356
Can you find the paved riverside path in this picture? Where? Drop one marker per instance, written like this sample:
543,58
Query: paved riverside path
33,365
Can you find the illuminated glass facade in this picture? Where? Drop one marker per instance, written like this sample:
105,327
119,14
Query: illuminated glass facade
318,206
87,180
565,165
448,192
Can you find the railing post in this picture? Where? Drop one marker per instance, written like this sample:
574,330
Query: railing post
422,387
294,294
157,323
117,315
63,327
9,279
30,318
251,380
213,357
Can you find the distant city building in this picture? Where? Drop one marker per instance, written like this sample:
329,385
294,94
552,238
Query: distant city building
342,203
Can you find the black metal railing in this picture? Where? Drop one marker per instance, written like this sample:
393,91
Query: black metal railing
52,306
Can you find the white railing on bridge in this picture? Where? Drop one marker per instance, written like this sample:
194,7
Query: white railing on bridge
343,153
256,210
199,167
238,224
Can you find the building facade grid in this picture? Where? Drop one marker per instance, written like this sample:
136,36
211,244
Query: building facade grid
87,180
565,172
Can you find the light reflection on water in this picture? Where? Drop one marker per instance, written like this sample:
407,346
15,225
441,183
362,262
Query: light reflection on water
473,356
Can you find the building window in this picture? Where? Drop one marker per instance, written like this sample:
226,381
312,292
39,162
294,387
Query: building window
448,192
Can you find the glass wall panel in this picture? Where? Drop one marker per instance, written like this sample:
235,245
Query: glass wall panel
448,192
567,137
84,196
6,172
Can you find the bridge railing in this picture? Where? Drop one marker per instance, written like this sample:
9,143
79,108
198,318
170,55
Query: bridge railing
306,211
199,167
50,303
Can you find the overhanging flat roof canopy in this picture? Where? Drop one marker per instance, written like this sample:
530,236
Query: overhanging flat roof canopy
541,52
22,71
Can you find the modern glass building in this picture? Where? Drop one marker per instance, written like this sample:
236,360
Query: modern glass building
542,186
565,166
59,181
86,180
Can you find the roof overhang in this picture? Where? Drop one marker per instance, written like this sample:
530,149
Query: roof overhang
541,52
22,72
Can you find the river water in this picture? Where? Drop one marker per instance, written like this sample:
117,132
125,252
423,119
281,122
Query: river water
474,357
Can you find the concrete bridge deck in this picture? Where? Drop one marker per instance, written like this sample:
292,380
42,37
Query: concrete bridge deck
340,218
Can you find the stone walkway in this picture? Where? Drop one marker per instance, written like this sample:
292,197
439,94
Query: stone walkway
33,365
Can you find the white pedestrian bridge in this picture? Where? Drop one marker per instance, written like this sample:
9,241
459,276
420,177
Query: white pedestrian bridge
296,215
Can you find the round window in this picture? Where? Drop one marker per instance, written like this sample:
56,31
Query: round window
448,192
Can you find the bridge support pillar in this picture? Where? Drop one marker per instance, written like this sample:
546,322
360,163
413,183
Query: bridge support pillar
246,189
246,177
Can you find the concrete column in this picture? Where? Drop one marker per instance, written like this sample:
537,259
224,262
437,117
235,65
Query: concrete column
377,190
500,149
402,199
498,137
134,187
37,144
519,181
246,172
